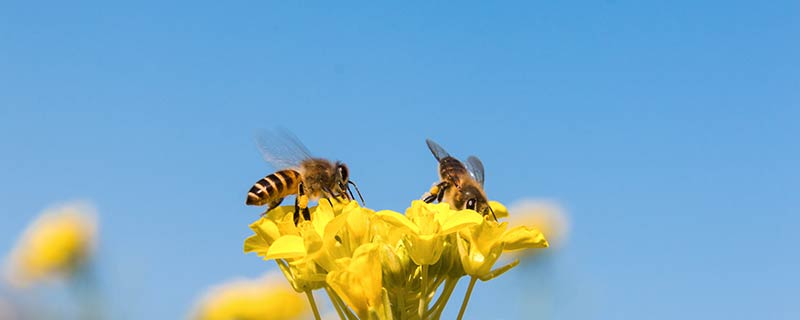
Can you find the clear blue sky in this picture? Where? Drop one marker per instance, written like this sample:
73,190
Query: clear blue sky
668,129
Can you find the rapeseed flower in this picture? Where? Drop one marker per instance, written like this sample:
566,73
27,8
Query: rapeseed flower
481,246
251,299
54,246
359,282
387,265
426,226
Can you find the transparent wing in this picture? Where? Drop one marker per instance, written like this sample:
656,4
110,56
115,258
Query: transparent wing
437,150
281,148
475,168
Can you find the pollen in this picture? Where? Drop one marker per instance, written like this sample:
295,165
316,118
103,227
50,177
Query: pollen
302,201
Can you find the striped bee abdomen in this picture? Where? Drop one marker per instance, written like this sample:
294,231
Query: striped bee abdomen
273,188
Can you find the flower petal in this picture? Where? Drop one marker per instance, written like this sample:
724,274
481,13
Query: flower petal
321,217
425,249
285,247
266,229
256,244
359,284
459,220
398,220
522,237
280,213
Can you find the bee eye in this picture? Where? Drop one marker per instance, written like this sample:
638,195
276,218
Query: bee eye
471,204
343,171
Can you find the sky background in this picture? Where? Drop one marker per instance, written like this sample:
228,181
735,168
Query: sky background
667,130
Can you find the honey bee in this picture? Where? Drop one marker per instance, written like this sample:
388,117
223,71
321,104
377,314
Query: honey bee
460,186
299,174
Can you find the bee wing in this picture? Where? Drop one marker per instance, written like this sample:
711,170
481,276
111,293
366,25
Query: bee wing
281,148
475,168
437,150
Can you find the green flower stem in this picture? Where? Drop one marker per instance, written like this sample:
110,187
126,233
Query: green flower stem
313,304
338,301
334,303
466,297
286,272
436,284
423,293
438,306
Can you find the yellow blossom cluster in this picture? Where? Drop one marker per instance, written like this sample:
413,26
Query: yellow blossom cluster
384,264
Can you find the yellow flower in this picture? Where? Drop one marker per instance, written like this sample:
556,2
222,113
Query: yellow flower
383,265
481,246
277,237
359,282
345,233
301,246
426,226
58,243
265,298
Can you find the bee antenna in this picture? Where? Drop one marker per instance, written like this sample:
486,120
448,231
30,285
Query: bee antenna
492,211
359,192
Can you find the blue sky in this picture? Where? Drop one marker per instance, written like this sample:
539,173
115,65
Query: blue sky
666,129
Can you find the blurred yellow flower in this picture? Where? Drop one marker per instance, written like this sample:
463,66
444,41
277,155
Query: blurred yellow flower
544,215
58,243
267,297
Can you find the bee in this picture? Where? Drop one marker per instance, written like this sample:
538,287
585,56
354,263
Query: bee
459,185
299,174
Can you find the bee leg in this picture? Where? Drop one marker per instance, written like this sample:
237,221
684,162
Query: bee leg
442,187
296,215
306,214
436,192
429,196
346,191
272,205
301,205
330,195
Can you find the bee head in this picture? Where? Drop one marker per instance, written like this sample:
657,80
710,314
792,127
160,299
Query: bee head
474,199
342,173
343,181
